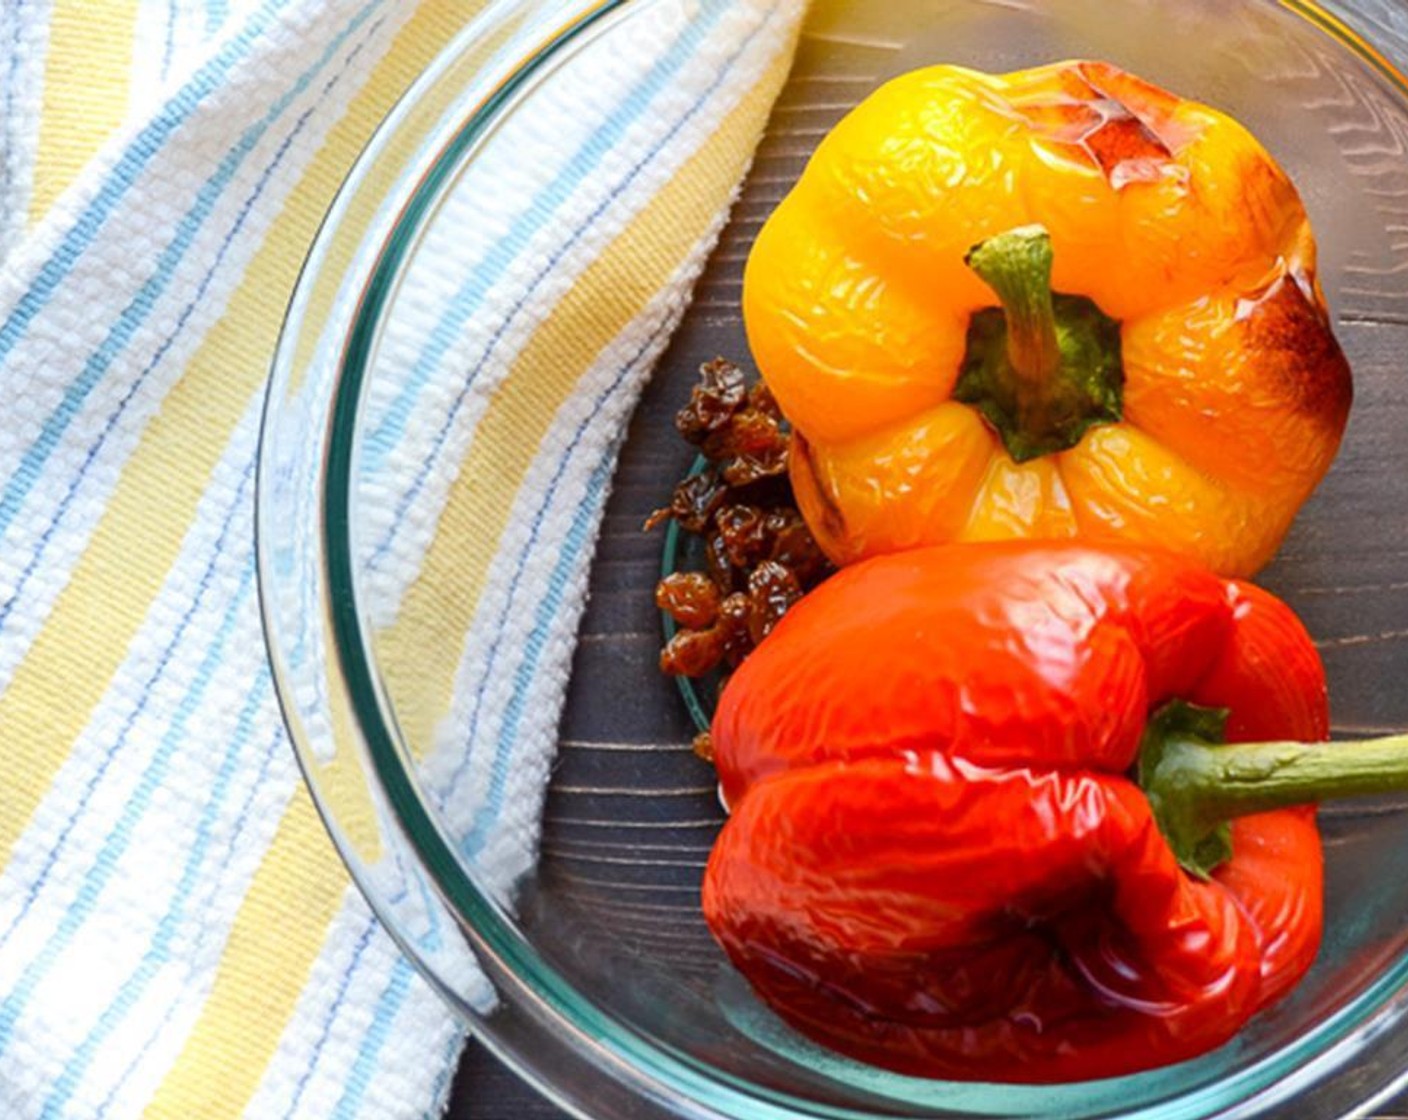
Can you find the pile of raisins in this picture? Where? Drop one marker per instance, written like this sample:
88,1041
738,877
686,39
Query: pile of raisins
760,557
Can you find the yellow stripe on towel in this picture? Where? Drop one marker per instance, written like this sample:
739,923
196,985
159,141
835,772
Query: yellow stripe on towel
87,85
284,918
603,302
278,934
85,639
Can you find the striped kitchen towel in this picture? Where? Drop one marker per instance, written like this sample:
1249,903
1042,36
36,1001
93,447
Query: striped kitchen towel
177,937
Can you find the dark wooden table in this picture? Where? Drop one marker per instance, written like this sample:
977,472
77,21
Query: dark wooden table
485,1090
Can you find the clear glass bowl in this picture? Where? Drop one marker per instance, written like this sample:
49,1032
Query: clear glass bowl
576,950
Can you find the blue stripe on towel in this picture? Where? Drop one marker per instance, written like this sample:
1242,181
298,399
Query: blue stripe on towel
216,13
194,874
37,554
12,69
359,1078
404,502
276,747
488,813
143,148
382,439
136,312
364,940
169,48
105,864
549,607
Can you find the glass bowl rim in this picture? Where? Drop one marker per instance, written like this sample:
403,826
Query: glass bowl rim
688,1082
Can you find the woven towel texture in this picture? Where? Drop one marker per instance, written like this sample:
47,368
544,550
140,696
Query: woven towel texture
177,936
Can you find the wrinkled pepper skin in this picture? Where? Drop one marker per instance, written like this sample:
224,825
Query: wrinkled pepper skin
936,861
1167,214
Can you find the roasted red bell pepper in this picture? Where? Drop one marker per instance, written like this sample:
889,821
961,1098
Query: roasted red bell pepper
939,859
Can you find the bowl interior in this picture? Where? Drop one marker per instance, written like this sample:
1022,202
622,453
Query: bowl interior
602,878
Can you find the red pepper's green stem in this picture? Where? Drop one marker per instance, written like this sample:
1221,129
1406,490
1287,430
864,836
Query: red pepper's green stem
1242,778
1044,366
1196,787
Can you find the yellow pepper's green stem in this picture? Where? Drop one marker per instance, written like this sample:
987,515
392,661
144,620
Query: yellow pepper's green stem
1043,367
1016,265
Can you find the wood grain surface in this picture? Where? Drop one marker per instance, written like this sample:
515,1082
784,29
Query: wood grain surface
631,815
485,1090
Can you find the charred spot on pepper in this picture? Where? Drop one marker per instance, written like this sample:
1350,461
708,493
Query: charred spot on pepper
1124,148
1111,138
1265,201
804,464
1151,106
1123,125
1296,348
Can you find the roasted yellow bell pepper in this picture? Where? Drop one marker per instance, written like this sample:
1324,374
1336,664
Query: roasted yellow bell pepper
1181,388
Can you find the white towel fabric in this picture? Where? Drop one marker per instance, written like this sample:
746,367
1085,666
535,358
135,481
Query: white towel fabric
176,938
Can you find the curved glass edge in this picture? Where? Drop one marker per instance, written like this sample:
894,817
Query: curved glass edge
512,963
294,598
527,1031
291,577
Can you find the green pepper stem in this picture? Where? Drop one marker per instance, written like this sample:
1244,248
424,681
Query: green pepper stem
1044,366
1235,780
1016,265
1196,787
